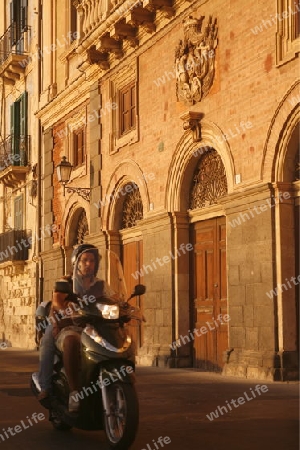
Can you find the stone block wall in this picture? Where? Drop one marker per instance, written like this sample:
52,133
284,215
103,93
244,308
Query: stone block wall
250,260
18,304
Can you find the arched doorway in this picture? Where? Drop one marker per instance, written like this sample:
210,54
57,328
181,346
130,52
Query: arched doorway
208,285
188,218
281,166
287,249
123,218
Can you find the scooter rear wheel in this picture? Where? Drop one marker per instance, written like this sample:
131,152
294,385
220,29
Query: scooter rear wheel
121,423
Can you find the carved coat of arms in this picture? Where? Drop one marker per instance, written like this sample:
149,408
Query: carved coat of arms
195,60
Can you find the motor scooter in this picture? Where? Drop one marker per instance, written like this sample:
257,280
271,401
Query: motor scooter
108,398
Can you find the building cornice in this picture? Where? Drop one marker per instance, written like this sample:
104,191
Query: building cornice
77,92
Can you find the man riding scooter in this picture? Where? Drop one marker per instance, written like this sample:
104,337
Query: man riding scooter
62,333
96,353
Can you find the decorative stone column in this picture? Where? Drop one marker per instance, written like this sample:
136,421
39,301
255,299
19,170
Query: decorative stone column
181,356
286,280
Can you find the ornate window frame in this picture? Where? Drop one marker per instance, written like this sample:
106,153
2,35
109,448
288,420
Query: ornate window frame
128,75
288,31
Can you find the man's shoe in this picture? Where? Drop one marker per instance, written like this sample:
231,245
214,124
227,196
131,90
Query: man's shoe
44,398
42,395
74,402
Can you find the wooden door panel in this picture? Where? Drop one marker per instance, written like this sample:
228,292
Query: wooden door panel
210,292
223,274
204,266
132,262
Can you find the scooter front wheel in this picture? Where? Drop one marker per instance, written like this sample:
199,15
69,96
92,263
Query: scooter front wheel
122,419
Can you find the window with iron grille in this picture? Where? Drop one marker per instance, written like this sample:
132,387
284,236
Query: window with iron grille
127,108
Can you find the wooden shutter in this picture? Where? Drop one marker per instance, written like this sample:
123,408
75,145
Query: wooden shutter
23,15
13,36
15,20
23,114
132,107
79,147
73,20
23,130
15,128
125,108
18,204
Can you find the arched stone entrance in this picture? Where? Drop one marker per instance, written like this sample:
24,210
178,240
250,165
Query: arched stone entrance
281,166
201,173
286,289
209,273
123,215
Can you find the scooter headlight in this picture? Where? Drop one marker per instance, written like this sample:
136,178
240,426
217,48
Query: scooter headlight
108,311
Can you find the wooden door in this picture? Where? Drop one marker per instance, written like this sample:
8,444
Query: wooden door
132,263
210,293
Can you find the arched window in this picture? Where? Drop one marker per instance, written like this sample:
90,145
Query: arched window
132,206
209,181
82,228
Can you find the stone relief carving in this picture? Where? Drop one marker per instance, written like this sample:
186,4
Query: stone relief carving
195,60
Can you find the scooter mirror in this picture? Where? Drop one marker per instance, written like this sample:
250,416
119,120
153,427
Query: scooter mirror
139,289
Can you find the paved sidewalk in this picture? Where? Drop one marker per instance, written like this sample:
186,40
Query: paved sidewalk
174,403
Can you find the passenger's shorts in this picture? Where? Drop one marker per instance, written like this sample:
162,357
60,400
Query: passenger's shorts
67,331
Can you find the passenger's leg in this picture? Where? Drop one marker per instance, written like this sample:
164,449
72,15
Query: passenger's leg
71,355
71,352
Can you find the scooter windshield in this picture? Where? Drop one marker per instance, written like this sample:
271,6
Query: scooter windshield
99,274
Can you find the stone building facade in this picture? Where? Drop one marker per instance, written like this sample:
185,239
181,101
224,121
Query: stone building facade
181,121
20,221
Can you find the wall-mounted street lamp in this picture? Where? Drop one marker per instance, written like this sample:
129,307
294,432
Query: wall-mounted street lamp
64,170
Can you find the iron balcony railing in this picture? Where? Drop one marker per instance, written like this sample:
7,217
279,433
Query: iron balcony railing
14,151
14,40
14,245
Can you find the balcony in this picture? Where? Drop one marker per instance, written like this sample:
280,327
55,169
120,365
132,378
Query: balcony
110,27
14,160
13,47
14,245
